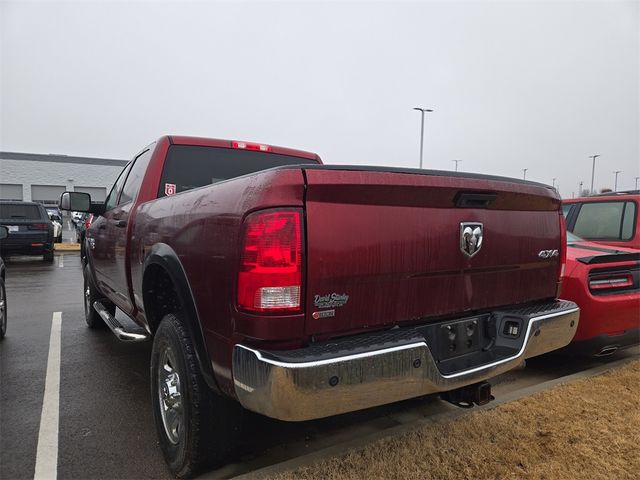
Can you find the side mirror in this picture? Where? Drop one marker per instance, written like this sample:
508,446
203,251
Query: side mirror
76,201
4,232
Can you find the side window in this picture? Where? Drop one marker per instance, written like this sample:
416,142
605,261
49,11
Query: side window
629,221
599,220
110,202
134,179
566,208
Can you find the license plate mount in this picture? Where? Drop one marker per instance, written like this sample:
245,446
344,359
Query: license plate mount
457,337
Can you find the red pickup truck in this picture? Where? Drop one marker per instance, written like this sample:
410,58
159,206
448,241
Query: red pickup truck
299,290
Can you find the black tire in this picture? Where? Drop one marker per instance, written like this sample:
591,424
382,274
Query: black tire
48,255
3,309
90,295
208,424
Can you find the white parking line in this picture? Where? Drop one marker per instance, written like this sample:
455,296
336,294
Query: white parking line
60,261
47,453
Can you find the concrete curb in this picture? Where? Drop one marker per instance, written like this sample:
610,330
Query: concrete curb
66,247
341,448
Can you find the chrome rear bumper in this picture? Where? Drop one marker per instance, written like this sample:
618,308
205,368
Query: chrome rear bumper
304,388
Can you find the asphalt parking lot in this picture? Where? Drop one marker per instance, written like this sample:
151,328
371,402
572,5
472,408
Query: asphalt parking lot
105,422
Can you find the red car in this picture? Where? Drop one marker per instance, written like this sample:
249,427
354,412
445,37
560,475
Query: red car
605,283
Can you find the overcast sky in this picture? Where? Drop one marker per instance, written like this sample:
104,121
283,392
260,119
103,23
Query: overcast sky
537,85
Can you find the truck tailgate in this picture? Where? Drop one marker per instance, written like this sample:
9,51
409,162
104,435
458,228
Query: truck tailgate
384,246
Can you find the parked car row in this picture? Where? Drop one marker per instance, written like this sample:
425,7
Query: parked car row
55,215
35,228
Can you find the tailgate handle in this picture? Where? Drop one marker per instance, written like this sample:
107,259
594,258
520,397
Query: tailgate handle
474,200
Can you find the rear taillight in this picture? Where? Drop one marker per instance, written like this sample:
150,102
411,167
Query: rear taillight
251,146
270,277
612,280
38,226
563,252
563,246
88,220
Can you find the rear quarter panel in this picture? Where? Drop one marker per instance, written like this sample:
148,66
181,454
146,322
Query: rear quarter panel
203,227
606,314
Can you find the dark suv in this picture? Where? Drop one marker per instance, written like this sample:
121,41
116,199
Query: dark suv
30,230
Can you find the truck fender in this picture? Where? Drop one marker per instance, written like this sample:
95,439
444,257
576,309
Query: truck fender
165,257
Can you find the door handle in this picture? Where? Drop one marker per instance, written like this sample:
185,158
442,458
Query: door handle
120,223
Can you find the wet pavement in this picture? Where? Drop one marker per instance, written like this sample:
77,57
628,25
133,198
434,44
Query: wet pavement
106,427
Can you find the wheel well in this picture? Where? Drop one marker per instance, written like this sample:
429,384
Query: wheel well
159,295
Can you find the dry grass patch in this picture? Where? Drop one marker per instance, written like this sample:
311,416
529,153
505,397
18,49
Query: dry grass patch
586,429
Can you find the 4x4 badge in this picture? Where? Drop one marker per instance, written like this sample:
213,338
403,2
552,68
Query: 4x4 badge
470,238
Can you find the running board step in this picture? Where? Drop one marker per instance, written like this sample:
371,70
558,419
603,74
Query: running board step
118,330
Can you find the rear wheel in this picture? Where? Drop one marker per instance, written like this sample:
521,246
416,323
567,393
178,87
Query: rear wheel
91,295
195,426
3,309
48,254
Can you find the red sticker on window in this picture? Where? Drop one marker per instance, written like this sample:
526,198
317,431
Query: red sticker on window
169,188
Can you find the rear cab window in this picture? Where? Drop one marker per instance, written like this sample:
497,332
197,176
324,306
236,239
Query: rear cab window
610,220
187,167
10,211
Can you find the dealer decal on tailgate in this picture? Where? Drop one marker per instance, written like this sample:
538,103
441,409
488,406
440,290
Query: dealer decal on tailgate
331,301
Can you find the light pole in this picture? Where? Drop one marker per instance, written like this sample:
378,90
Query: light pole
636,179
615,185
580,189
553,182
457,161
524,173
422,111
593,171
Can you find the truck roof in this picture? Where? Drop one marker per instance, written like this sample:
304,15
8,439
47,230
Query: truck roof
218,142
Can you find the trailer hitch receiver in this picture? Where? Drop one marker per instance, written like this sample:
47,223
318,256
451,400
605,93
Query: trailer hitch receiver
467,397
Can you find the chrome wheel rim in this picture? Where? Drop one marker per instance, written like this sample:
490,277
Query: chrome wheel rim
170,395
